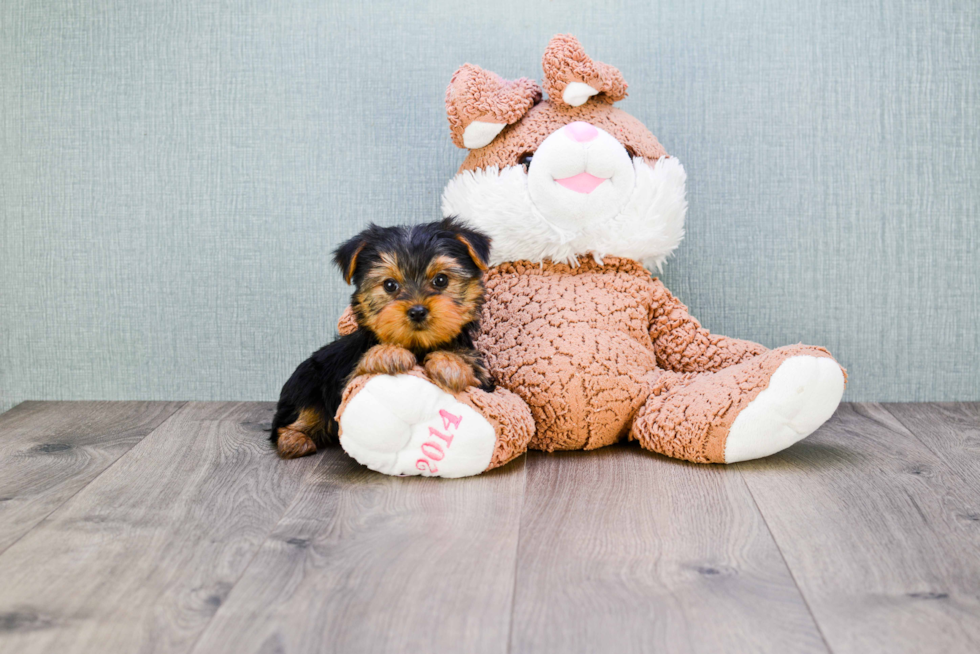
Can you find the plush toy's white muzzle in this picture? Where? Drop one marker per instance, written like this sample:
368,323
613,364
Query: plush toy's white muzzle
578,175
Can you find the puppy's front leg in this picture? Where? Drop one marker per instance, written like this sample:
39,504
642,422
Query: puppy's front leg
453,371
385,360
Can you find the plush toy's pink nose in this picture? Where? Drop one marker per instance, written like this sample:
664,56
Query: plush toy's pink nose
581,132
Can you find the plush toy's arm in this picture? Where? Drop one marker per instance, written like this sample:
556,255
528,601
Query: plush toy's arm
683,345
347,323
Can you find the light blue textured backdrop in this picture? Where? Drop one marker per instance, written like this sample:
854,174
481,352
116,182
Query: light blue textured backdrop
174,173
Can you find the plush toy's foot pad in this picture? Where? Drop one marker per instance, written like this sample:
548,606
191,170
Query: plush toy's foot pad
802,394
405,425
745,411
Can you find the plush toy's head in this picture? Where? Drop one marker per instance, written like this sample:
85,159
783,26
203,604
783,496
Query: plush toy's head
568,176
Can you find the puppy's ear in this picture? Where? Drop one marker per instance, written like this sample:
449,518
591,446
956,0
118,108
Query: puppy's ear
346,256
477,244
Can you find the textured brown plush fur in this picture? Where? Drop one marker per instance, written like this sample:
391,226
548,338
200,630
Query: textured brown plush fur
477,94
565,62
615,345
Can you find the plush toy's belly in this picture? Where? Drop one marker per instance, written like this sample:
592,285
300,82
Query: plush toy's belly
573,343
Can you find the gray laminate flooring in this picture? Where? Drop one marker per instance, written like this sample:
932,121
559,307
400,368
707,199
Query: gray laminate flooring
173,527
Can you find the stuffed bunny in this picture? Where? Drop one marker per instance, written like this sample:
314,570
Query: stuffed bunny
587,348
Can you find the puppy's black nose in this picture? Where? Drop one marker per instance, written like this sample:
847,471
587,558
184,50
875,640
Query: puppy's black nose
417,313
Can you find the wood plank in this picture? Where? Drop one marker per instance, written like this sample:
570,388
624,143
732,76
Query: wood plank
51,450
871,523
951,430
625,551
363,562
142,557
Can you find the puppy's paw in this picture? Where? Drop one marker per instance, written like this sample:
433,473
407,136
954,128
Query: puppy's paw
450,372
294,444
385,360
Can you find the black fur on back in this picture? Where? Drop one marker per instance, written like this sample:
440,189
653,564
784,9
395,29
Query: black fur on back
318,383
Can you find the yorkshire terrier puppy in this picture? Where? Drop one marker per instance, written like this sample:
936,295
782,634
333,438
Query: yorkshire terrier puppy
417,299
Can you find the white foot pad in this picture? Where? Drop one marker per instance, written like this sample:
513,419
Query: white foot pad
405,425
802,395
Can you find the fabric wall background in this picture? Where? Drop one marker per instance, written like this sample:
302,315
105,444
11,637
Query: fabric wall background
174,174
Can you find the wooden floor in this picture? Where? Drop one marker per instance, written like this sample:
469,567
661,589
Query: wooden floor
173,527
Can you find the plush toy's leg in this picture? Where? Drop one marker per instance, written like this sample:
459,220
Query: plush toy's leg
746,411
406,425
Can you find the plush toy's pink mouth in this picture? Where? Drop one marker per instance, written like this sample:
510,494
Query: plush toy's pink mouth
581,183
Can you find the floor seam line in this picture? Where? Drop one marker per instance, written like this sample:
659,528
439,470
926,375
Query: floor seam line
947,467
782,556
885,407
258,550
93,479
517,555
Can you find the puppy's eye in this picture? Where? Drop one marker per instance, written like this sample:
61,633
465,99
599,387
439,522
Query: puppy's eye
440,281
525,160
390,286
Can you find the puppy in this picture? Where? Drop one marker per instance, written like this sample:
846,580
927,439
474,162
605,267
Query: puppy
418,296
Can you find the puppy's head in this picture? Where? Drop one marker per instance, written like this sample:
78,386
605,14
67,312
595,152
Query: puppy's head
418,286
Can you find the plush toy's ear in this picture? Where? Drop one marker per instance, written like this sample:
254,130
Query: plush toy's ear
346,256
480,104
571,77
477,244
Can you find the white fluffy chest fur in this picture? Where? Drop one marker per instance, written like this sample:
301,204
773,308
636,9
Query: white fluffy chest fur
647,229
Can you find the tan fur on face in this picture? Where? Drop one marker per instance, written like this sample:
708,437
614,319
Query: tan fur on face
462,290
442,264
450,309
451,371
446,319
387,268
371,298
